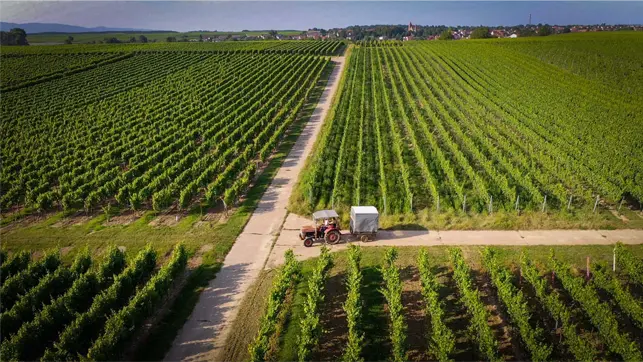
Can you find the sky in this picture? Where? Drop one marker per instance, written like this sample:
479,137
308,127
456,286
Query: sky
302,15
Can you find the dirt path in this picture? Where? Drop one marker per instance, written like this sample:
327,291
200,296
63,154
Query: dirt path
204,333
289,239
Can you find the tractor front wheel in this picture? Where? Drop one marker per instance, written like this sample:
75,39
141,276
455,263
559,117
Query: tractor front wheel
333,237
308,242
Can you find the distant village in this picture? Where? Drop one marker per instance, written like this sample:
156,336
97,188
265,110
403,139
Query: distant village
418,32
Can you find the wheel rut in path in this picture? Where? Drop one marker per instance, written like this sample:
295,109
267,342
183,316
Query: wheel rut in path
203,335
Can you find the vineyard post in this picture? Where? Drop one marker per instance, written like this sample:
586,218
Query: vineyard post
587,268
544,203
621,204
490,204
517,202
596,204
438,204
569,204
464,204
614,260
225,207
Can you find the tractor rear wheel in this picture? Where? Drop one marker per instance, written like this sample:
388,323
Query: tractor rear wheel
333,237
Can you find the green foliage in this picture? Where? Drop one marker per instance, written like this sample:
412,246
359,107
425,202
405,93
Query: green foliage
50,286
599,312
18,284
481,33
220,139
605,279
479,328
78,336
392,291
15,36
630,264
310,327
123,325
281,286
16,264
545,30
446,34
441,131
516,305
579,346
34,336
353,306
441,338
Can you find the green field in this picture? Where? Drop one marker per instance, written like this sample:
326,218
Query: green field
208,134
206,231
480,127
143,147
80,38
469,303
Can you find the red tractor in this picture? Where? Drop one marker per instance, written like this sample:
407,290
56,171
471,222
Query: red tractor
325,228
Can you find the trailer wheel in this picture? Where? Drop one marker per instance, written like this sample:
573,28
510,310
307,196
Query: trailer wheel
364,238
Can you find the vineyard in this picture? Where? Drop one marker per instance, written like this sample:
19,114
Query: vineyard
91,309
480,127
155,129
475,303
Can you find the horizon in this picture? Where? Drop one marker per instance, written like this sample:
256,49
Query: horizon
236,16
132,30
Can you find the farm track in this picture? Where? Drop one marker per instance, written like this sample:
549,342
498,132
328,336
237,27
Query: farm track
203,335
289,239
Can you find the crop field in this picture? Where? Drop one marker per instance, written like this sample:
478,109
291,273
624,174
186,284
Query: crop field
153,36
480,127
613,59
439,303
294,46
86,310
147,130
